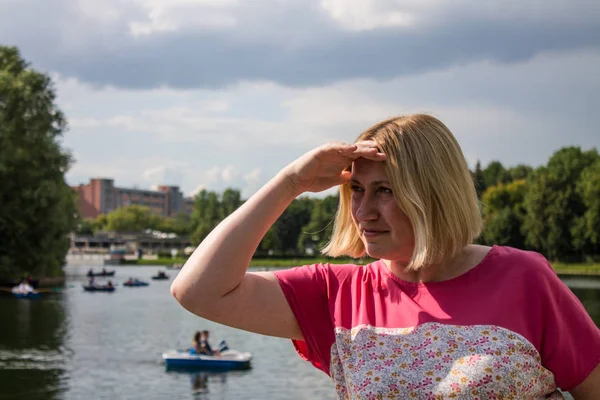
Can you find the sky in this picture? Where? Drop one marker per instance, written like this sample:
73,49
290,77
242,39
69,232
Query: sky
211,94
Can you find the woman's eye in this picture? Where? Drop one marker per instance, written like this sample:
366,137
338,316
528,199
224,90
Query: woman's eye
385,190
355,188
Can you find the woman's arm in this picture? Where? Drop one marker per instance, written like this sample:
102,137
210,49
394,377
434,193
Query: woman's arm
589,389
214,283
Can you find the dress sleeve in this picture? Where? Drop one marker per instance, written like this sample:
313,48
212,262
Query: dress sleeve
305,289
570,338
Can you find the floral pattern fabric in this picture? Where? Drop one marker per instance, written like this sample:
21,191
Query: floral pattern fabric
438,361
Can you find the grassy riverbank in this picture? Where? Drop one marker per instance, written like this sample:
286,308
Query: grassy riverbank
560,268
577,269
256,262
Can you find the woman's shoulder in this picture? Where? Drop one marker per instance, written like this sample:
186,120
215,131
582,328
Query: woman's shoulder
512,260
338,273
507,253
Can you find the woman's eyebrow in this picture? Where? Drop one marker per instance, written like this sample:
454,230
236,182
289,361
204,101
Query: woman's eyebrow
374,183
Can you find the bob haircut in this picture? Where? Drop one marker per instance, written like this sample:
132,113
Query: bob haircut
431,184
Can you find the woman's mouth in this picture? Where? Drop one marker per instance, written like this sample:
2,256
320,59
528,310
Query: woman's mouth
369,233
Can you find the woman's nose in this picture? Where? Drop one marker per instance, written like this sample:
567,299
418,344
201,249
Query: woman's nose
366,209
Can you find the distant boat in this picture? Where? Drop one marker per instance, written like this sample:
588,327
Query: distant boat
33,282
107,288
30,295
135,283
161,276
101,273
227,360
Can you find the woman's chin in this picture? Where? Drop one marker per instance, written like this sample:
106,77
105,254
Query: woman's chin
375,252
381,253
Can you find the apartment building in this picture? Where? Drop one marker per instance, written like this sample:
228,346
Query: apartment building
101,196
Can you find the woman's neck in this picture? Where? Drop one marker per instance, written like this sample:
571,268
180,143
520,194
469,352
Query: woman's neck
468,258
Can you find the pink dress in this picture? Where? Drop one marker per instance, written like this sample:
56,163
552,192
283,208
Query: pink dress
506,329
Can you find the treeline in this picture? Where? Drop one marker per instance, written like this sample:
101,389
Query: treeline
553,209
37,208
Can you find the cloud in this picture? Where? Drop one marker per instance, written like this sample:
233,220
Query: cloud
229,173
253,182
365,15
300,43
197,190
241,136
224,93
177,15
163,175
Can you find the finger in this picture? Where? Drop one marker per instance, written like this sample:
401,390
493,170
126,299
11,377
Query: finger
368,149
366,143
346,148
345,177
374,155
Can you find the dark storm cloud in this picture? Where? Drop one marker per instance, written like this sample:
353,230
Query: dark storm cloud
288,44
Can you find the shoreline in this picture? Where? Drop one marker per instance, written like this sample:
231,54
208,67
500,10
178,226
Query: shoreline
580,270
562,269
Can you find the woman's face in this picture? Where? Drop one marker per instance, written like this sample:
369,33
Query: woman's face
383,228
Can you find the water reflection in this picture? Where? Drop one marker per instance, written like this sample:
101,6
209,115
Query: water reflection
199,382
206,384
33,355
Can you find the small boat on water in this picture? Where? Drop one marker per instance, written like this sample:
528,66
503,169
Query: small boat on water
135,283
160,276
227,360
95,288
101,273
23,290
35,283
29,295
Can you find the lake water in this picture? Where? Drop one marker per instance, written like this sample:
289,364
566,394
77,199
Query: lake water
79,345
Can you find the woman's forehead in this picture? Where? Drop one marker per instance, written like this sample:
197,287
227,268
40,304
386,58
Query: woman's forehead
364,169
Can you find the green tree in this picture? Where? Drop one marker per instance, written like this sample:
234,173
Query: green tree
206,215
553,205
287,228
586,231
317,233
479,179
133,218
182,224
269,243
37,206
495,173
86,226
504,212
230,201
520,171
100,222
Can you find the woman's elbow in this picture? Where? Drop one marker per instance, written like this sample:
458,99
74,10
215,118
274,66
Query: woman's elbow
186,295
180,293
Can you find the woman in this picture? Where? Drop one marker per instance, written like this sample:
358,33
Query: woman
196,343
436,315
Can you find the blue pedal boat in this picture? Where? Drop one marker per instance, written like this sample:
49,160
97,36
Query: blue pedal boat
30,295
226,361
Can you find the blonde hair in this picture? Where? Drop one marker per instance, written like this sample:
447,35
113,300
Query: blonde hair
431,183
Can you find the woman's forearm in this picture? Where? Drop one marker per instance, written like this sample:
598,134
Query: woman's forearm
219,263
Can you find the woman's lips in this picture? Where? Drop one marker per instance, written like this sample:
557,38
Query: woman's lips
373,233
